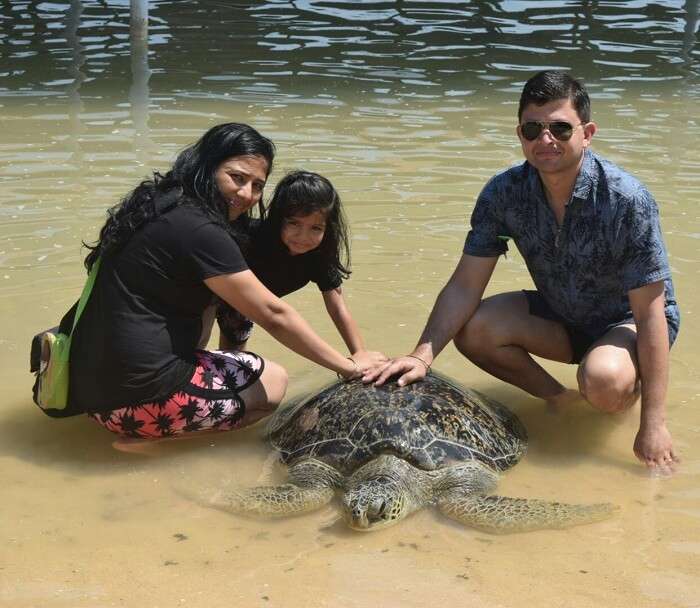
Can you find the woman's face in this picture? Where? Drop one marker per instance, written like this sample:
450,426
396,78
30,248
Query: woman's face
241,180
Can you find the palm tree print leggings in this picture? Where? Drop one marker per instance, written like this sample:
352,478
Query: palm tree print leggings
210,402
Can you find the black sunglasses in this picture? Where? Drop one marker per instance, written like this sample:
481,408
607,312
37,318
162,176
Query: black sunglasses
560,129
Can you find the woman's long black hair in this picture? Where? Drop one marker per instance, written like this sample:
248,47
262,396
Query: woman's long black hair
193,172
302,193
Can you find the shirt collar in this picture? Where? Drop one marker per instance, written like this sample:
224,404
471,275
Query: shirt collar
586,177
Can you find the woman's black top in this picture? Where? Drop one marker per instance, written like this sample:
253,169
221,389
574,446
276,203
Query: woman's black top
136,338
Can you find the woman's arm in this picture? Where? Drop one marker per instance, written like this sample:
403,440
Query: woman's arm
250,297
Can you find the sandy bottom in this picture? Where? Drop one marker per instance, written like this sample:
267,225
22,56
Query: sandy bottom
84,525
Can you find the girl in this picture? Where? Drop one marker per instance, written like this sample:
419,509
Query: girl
135,366
302,237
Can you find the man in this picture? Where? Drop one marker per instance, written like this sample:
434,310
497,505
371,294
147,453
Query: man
590,236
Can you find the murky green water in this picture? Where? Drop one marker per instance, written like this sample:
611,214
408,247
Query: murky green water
408,107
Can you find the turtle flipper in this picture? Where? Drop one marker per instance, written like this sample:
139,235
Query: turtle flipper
502,515
271,501
312,486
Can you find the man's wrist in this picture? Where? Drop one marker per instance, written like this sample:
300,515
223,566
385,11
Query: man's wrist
425,363
652,419
424,355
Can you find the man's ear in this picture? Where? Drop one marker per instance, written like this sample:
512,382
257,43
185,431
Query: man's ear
589,130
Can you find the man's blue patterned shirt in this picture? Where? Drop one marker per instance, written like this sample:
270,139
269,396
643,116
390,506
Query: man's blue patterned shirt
609,242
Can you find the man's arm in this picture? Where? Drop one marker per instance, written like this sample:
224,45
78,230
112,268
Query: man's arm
653,444
453,308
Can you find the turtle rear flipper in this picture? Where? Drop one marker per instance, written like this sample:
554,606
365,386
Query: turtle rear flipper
502,515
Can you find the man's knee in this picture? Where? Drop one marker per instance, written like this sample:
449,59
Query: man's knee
497,321
474,338
608,385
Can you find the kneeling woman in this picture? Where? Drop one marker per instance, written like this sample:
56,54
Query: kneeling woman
135,364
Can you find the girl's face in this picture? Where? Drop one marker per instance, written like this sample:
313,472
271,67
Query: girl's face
303,233
241,180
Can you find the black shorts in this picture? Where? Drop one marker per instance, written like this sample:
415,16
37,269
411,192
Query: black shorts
580,340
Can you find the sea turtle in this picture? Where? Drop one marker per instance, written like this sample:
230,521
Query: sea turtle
392,450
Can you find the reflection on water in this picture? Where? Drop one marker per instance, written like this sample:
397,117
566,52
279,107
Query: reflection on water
409,108
140,74
298,52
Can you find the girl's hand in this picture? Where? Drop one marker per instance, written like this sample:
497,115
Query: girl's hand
353,371
362,361
367,359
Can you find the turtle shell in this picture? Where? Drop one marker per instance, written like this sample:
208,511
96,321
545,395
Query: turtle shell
430,424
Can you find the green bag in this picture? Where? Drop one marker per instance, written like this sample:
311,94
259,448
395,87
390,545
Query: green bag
51,386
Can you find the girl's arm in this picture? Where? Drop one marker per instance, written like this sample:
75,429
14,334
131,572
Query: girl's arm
250,297
348,329
339,312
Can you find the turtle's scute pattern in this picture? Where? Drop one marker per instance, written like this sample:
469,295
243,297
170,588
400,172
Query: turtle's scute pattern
430,424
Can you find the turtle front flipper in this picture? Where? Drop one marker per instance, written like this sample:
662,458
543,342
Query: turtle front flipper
312,485
502,515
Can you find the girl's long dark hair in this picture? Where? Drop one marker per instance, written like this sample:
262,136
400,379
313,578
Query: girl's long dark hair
193,172
302,193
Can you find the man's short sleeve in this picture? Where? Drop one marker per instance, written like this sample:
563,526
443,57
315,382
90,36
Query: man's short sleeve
485,239
644,260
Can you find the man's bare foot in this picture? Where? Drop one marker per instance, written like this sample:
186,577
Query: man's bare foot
564,399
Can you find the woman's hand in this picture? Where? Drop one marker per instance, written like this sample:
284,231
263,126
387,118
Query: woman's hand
410,367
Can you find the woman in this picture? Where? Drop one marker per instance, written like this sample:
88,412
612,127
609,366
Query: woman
164,251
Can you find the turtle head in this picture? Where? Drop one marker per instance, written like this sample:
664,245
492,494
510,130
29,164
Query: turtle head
376,495
373,504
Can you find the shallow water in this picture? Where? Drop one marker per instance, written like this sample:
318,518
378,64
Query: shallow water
408,107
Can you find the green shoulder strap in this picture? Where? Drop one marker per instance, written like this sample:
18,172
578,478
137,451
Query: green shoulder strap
86,293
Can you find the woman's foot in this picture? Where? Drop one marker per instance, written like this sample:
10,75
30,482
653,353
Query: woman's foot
134,446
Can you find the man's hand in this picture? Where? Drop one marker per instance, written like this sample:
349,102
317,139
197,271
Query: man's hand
654,447
411,369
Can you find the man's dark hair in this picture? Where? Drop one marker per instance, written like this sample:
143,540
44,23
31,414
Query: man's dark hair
552,85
